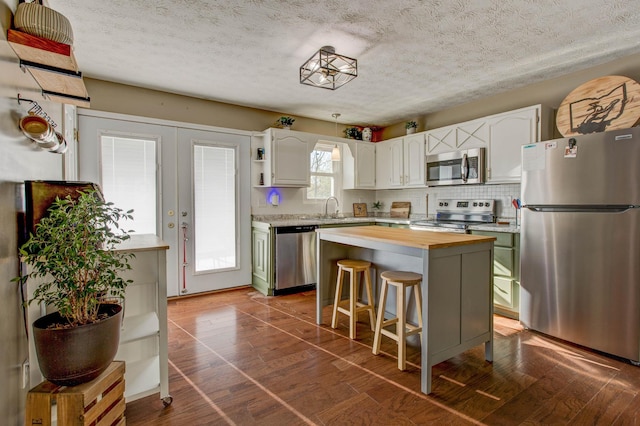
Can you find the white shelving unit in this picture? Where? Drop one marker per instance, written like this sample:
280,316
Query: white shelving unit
143,339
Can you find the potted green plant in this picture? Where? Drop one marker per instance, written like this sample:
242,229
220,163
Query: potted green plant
377,206
411,126
72,256
285,122
353,133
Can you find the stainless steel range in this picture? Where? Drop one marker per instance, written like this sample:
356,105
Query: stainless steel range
453,215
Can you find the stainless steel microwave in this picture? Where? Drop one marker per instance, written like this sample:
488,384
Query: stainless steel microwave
456,168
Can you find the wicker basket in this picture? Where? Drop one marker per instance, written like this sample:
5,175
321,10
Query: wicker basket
41,21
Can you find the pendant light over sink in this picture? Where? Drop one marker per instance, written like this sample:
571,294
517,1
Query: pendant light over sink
335,152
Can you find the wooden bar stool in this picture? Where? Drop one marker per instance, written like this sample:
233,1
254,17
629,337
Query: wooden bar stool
400,280
354,267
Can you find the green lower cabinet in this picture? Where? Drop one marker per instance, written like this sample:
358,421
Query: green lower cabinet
506,272
262,258
263,251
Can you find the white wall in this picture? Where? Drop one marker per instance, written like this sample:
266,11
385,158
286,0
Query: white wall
19,161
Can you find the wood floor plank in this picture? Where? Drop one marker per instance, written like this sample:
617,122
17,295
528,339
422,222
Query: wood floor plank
238,357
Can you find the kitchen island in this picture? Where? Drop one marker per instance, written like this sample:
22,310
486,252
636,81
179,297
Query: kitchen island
457,286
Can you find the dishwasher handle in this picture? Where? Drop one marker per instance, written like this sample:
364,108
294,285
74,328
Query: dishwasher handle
295,229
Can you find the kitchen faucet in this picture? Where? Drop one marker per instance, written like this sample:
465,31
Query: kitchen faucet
326,203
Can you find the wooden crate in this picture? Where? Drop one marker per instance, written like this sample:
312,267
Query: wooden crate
98,402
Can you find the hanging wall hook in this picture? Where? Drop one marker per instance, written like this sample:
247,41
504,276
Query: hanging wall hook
36,109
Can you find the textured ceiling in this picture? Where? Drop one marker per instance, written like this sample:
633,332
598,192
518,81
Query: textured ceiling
414,57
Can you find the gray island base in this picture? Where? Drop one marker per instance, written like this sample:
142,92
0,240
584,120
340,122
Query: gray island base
457,270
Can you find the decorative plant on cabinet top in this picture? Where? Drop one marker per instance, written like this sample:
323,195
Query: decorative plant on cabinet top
285,122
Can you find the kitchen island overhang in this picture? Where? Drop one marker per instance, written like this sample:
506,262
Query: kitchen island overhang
457,285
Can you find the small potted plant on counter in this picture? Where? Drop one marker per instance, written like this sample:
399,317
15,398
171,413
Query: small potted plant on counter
411,127
72,257
285,122
377,206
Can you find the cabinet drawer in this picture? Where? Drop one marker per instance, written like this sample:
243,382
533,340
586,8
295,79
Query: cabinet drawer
503,261
503,239
503,291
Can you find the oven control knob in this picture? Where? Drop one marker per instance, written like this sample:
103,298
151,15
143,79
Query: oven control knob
441,204
446,204
476,204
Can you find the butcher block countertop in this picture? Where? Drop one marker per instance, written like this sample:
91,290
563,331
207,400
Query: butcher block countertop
425,240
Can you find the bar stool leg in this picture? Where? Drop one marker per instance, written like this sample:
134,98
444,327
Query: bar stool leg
338,296
353,299
380,319
401,328
370,302
418,295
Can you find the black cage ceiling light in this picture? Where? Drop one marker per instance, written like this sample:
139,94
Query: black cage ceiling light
328,70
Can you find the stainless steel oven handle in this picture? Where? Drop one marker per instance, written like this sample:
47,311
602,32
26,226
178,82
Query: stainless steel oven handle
464,167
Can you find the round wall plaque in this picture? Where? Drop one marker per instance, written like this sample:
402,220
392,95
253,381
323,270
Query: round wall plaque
606,103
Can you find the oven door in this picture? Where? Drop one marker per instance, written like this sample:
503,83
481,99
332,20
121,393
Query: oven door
456,168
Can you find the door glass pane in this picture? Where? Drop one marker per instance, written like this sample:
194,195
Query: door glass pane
214,197
128,176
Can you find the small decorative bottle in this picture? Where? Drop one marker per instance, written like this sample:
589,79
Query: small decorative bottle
261,178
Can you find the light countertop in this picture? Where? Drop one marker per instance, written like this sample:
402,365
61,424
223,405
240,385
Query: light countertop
494,227
301,220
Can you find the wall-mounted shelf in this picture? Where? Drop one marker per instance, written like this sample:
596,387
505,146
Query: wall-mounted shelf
52,65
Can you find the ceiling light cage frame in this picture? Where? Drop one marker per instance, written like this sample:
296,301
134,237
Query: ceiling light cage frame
328,70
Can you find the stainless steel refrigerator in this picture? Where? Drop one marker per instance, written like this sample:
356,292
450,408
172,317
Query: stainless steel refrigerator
580,240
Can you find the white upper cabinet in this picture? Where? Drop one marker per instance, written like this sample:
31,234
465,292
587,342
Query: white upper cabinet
440,140
470,134
501,135
286,158
400,162
388,162
414,161
359,167
507,133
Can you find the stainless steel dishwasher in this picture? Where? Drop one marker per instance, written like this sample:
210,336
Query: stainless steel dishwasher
295,259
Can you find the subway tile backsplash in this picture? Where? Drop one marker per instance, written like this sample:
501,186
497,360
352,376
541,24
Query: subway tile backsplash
292,199
503,194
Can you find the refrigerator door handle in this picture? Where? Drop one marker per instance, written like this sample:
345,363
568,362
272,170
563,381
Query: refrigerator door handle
581,208
464,168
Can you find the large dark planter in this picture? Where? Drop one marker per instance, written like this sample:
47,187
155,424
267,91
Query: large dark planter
72,356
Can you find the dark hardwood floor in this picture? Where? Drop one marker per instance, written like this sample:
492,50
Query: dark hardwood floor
241,358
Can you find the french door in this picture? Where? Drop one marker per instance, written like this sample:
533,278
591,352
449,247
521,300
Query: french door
214,200
188,186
